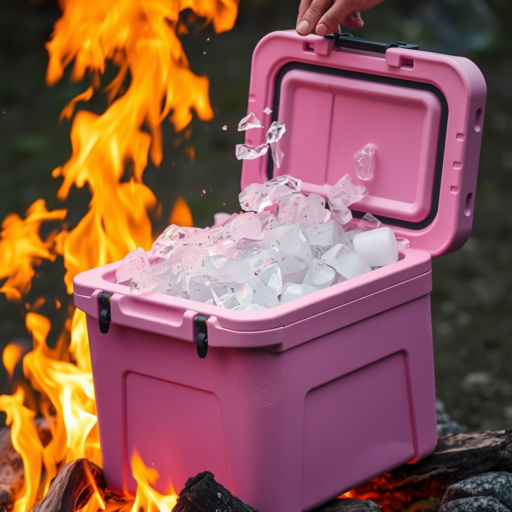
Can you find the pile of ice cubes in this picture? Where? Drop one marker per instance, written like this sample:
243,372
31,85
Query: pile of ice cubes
284,245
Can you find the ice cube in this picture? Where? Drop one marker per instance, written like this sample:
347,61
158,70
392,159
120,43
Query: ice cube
296,291
249,122
144,282
346,192
271,276
132,262
368,222
253,307
246,152
249,248
402,243
228,269
347,238
290,247
346,262
257,197
275,132
268,111
246,225
277,154
364,162
319,275
268,219
244,295
377,247
324,235
170,239
341,213
220,218
224,295
263,294
193,259
199,289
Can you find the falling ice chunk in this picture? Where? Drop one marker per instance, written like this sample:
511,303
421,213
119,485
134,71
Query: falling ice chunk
249,122
377,247
133,261
403,243
368,222
296,291
257,197
364,162
277,155
144,282
268,111
245,152
275,132
346,191
346,262
319,275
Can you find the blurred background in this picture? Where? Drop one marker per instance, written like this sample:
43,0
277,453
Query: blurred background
472,298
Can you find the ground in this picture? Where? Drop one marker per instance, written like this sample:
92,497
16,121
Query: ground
471,302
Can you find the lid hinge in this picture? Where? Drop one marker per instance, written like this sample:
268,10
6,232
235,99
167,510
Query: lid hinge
202,338
104,318
357,43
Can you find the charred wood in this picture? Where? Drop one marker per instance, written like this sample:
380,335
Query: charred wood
73,487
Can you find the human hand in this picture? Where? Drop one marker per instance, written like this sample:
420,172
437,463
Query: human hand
325,16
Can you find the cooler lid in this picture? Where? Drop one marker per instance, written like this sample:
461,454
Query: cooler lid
422,111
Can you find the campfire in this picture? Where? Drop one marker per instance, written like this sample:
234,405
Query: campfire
109,154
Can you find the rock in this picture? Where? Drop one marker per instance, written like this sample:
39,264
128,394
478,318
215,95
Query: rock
445,424
496,485
474,505
348,505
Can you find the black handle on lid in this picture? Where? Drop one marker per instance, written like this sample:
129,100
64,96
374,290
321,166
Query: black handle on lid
357,43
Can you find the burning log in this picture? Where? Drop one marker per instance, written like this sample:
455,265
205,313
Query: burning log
457,456
203,494
73,487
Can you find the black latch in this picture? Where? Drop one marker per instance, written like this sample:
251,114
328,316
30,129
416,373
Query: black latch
356,43
202,337
104,320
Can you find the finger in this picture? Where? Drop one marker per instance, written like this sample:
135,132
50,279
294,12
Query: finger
311,17
303,7
339,12
353,20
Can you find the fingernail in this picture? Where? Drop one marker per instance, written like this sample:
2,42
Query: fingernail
322,30
303,26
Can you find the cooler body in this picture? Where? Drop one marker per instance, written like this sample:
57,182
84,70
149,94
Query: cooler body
348,393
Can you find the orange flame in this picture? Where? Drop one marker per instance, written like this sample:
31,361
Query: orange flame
21,248
11,357
109,155
181,214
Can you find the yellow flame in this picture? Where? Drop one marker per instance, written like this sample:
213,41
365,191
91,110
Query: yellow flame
181,214
21,248
109,155
26,442
147,498
11,356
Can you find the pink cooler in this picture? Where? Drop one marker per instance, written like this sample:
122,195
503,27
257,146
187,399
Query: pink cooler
293,406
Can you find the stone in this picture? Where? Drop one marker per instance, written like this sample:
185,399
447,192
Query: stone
474,505
497,485
348,505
